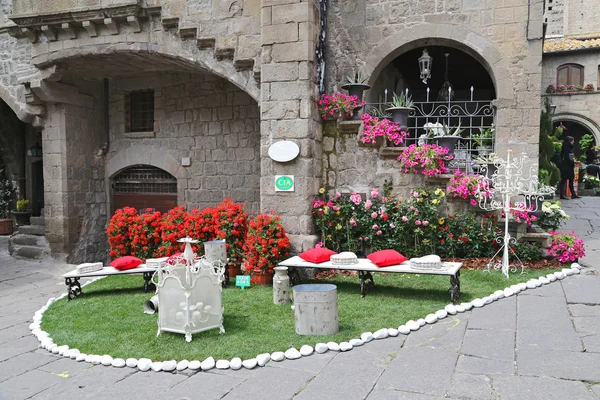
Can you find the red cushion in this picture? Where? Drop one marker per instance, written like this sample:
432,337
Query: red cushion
317,255
124,263
385,258
171,259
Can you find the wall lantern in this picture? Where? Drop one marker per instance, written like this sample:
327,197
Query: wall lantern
425,62
35,150
552,107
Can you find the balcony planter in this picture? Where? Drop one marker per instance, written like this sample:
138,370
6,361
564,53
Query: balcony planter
448,142
400,115
21,217
356,89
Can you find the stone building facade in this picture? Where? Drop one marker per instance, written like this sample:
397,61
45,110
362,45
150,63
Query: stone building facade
228,78
573,41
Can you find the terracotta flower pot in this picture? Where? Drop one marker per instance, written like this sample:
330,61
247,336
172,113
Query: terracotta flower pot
234,269
6,226
262,278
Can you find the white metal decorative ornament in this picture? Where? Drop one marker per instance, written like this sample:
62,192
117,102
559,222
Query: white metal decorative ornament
189,293
512,178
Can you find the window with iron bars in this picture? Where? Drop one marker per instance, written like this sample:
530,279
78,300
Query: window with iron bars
139,111
144,179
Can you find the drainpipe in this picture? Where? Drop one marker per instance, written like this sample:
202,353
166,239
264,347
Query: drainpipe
104,149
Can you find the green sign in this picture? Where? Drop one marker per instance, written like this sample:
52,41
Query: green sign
284,183
242,281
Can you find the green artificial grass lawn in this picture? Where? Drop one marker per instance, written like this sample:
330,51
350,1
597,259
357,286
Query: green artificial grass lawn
108,318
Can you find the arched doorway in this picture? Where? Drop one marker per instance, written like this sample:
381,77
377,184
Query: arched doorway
144,186
585,138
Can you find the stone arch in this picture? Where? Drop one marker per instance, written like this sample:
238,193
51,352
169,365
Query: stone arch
475,45
147,155
172,49
592,126
23,111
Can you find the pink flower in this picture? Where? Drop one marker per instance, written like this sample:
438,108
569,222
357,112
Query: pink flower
425,223
392,226
368,204
374,193
338,195
374,215
375,227
473,202
379,233
353,222
319,245
355,198
404,219
417,222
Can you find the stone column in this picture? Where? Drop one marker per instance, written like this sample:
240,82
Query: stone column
289,30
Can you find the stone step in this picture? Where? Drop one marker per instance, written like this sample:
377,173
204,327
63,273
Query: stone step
29,252
37,221
31,230
28,240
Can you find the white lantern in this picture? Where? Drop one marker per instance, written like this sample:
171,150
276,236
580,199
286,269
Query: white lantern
425,62
189,294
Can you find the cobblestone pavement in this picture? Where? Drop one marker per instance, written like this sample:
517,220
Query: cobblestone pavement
541,344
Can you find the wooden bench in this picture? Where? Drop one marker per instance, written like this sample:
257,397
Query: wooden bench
365,267
74,287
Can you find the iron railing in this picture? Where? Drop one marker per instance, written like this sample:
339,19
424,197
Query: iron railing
473,117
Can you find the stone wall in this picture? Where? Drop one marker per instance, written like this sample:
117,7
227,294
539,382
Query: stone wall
199,116
369,34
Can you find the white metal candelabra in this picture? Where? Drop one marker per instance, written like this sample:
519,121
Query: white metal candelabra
513,177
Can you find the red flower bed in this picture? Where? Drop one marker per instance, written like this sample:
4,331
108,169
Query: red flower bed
266,243
121,232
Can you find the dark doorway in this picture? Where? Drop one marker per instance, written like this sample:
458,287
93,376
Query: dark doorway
144,186
37,187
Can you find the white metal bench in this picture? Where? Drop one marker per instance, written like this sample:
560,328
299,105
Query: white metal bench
365,267
74,287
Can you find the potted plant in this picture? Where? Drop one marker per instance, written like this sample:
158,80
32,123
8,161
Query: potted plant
550,89
444,136
355,85
483,140
589,87
571,88
265,246
488,161
338,105
400,107
560,88
23,212
578,87
6,192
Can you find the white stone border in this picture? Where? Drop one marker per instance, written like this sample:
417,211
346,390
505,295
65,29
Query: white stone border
145,364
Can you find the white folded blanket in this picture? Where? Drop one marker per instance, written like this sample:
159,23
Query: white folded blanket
89,267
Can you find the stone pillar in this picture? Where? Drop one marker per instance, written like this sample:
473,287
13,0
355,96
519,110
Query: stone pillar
74,188
289,30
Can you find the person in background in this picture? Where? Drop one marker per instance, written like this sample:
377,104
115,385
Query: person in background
567,165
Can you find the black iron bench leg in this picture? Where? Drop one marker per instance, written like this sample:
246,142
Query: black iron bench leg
226,277
366,282
148,280
294,275
73,288
455,287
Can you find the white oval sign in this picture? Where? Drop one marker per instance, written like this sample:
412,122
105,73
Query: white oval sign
284,151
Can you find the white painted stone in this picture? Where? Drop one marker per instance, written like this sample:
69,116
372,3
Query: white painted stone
183,364
62,349
567,271
522,286
209,363
55,349
34,325
263,359
292,354
321,348
222,364
467,306
576,271
441,314
156,366
575,265
81,357
250,363
450,309
499,294
106,360
195,364
551,277
74,353
381,334
43,334
235,363
67,354
530,285
487,300
118,362
537,282
393,332
421,322
515,288
345,346
478,303
306,350
333,346
169,365
508,292
96,359
412,325
356,342
460,308
403,329
559,275
143,364
277,356
544,280
366,337
88,358
131,362
431,318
